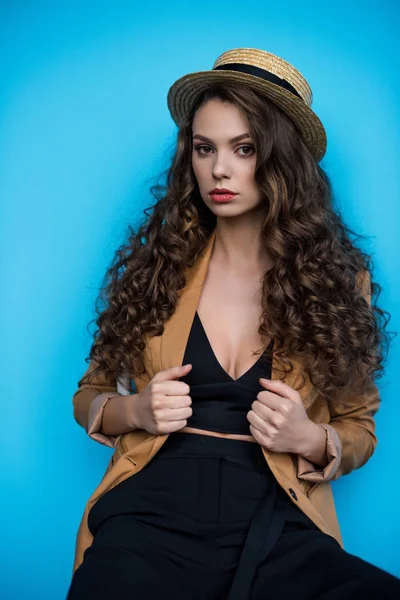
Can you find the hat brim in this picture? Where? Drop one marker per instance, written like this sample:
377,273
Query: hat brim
183,93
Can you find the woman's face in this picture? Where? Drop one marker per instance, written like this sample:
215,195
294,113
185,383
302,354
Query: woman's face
220,161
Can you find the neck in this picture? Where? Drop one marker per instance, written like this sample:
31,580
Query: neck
238,248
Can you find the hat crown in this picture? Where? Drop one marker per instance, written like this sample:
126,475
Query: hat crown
269,62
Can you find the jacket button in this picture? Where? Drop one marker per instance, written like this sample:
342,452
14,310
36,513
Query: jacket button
293,493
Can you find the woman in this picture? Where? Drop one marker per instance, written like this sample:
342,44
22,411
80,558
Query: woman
219,485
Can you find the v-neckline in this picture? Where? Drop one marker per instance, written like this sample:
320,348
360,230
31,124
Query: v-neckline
216,358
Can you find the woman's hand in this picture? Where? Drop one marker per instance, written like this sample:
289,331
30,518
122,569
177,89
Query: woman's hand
279,422
164,405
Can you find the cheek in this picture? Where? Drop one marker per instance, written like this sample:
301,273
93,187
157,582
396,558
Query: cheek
249,182
199,170
249,172
195,167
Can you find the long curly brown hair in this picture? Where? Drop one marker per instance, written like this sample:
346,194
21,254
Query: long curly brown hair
312,303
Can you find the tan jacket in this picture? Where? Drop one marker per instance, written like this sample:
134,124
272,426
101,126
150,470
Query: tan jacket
350,431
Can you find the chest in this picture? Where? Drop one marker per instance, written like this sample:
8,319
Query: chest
230,310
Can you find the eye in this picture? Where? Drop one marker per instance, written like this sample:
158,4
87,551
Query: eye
201,150
251,148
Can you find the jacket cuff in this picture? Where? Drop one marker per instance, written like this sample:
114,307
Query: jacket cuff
96,410
308,471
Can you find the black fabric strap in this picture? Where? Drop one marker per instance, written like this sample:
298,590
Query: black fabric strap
267,75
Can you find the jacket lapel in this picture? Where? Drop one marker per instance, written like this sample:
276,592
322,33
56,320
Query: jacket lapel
176,330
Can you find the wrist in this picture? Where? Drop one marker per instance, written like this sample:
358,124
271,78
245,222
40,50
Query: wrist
131,413
314,445
118,416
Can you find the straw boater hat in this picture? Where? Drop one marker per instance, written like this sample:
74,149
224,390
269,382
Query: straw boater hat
267,74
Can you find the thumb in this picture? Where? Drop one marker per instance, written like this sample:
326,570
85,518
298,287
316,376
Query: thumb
173,372
282,389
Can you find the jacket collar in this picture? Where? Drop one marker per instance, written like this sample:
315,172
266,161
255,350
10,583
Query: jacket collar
177,329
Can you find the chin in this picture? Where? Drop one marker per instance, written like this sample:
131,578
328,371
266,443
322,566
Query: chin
230,206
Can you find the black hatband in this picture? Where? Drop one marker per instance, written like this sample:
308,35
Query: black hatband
267,75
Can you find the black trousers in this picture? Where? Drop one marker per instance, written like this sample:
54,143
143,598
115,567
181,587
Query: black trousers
205,519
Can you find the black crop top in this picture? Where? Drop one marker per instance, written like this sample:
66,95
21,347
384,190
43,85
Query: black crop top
219,402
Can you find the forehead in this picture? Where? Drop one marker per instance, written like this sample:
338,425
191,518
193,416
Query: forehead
218,117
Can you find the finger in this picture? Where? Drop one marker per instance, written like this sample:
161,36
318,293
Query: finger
172,373
172,426
263,411
170,387
171,402
280,388
177,414
257,422
257,435
273,401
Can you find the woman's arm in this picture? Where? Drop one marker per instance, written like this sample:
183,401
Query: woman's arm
352,419
102,410
351,438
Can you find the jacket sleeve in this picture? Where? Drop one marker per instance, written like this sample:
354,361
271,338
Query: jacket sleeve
89,402
351,438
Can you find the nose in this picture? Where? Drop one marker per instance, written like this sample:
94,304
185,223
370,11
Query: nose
221,167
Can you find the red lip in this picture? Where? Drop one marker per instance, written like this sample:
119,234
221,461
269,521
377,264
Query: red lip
222,197
222,191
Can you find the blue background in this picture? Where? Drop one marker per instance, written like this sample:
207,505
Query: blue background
85,130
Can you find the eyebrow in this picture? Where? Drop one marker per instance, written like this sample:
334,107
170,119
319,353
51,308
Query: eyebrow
235,139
